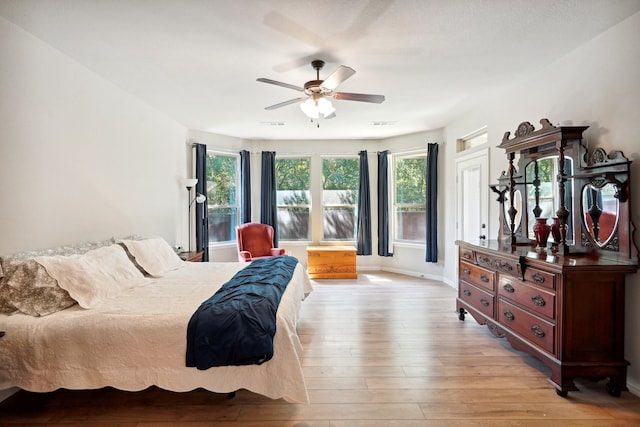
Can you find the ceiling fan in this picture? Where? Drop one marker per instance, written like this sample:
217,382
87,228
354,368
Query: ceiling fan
316,103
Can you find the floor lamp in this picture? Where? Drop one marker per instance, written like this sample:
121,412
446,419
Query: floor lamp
189,183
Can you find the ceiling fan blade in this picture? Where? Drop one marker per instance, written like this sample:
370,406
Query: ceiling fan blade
330,116
285,103
338,76
287,85
362,97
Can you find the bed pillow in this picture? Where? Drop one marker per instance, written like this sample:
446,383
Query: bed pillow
28,288
154,255
5,305
95,276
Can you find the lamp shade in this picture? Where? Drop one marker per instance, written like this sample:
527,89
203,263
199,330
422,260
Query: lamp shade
189,183
310,108
325,107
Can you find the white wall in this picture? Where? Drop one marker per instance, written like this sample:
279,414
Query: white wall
597,83
80,159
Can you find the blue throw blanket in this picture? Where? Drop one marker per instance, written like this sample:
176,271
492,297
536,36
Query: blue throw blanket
237,324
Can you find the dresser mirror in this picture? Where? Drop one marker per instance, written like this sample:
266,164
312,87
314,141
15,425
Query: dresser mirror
600,213
555,177
543,200
517,203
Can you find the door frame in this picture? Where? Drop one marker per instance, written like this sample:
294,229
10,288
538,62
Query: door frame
480,157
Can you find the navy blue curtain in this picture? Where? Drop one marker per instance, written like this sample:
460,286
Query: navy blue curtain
383,203
363,231
268,206
245,186
202,219
432,203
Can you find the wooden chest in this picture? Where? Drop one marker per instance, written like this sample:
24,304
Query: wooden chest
331,262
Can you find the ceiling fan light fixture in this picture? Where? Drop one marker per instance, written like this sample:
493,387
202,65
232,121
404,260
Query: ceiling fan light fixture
316,103
316,106
325,107
310,108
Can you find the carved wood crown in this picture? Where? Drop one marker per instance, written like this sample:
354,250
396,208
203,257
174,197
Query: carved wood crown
600,158
526,137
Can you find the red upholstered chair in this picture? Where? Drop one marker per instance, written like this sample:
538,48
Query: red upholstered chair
255,241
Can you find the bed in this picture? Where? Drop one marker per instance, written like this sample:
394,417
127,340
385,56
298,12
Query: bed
134,336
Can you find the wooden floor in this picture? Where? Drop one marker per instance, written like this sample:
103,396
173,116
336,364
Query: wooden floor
382,350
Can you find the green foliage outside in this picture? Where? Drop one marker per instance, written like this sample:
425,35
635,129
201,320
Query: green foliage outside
294,175
411,180
340,174
221,180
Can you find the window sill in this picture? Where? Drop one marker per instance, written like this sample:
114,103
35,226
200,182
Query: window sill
411,245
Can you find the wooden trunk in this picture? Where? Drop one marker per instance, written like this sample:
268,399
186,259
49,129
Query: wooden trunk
331,262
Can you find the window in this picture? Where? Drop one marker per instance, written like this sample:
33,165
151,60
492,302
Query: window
340,182
293,198
473,140
222,189
409,201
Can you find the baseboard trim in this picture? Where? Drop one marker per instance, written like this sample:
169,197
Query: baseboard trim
7,393
633,388
413,273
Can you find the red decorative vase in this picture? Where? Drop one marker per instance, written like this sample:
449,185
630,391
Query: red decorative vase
555,230
541,230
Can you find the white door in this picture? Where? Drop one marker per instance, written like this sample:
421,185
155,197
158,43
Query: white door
472,194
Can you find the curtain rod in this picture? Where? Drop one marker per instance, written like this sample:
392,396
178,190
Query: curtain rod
303,154
405,150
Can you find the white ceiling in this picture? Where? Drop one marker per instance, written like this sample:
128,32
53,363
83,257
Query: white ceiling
197,61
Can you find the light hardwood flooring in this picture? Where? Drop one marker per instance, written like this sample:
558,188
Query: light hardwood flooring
382,350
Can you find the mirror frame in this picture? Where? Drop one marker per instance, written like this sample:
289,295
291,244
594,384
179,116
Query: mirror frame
596,168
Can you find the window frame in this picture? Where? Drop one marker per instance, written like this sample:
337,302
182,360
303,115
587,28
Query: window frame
324,205
238,197
309,206
393,191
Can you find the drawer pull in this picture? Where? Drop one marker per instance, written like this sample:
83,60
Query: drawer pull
538,278
484,278
507,287
538,300
509,315
466,271
467,292
467,255
537,331
484,302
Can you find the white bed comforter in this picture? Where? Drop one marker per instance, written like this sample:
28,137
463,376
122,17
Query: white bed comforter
138,339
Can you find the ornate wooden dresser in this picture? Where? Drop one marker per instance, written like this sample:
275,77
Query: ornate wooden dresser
563,301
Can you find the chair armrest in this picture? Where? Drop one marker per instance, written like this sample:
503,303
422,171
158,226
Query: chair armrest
245,256
277,251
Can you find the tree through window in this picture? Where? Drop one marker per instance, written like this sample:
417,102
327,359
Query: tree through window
340,182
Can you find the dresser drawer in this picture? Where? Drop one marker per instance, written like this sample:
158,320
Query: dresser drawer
533,299
477,298
467,255
540,278
503,265
477,275
534,329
